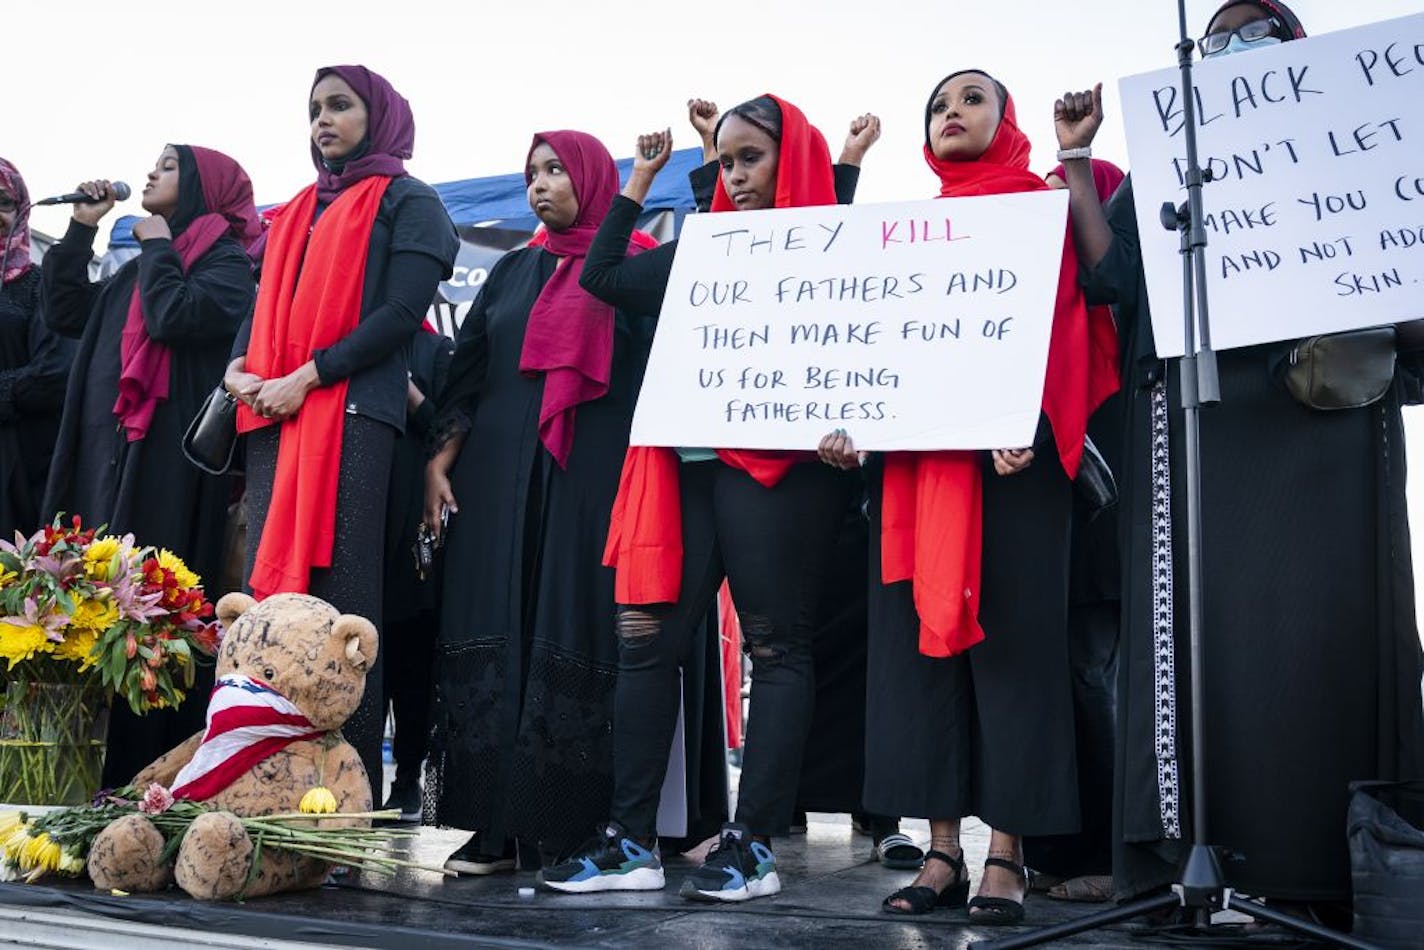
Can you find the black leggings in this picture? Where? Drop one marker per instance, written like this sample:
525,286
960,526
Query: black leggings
353,583
773,546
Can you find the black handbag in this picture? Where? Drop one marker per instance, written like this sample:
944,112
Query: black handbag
1096,487
211,439
1386,834
1341,370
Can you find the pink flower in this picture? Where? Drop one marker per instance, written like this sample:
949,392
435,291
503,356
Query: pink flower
156,800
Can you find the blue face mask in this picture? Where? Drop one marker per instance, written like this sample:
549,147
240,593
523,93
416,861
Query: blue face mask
1238,45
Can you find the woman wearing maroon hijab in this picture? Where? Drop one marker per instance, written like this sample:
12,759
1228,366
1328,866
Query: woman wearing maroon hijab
153,340
532,429
349,268
34,367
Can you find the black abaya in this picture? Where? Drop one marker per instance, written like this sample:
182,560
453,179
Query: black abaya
145,487
527,657
1312,655
988,732
34,367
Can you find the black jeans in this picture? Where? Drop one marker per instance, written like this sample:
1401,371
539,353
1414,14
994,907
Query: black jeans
773,546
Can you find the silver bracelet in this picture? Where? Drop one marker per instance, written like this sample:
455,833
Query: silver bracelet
1068,154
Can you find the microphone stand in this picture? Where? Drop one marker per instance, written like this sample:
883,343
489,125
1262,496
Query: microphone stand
1200,886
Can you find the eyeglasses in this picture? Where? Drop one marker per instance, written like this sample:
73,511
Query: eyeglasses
1249,33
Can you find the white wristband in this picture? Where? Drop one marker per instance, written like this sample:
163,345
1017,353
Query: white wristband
1068,154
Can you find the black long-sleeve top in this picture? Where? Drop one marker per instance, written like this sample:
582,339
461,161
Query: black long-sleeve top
412,248
34,368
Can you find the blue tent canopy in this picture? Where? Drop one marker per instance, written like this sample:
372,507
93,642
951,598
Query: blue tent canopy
500,201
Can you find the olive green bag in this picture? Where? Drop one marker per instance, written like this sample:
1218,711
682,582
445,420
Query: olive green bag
1341,370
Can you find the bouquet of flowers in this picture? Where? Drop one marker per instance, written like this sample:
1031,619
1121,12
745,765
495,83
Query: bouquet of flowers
84,615
59,842
72,600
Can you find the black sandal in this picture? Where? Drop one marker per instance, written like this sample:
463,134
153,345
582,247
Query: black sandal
999,911
923,899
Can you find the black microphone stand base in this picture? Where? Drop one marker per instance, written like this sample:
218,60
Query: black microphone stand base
1200,889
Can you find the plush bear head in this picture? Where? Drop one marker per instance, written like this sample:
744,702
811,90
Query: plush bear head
301,647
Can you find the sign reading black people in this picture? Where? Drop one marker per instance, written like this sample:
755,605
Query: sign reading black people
914,325
1315,209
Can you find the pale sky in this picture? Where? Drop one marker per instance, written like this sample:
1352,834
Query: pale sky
97,87
483,76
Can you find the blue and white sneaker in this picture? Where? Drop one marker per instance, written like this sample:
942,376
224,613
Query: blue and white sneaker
612,861
737,869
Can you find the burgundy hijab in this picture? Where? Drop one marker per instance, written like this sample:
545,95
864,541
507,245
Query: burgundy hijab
390,134
1106,177
217,192
16,249
569,337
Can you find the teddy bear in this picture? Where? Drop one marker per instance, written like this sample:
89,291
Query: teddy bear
290,672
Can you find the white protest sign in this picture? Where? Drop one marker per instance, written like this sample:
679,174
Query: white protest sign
1315,214
914,325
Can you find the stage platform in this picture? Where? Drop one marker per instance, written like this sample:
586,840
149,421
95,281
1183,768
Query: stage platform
831,898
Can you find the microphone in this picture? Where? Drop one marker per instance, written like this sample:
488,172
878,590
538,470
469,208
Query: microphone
121,193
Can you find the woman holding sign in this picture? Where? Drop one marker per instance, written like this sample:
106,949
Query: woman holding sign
684,519
1310,643
969,697
532,430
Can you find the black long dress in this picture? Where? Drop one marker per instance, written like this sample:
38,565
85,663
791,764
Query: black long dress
34,367
145,487
988,732
527,657
1312,656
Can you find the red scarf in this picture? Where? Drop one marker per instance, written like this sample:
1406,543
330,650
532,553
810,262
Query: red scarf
932,502
645,534
569,337
309,298
143,361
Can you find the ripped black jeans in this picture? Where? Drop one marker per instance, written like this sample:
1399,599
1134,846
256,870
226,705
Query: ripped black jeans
773,546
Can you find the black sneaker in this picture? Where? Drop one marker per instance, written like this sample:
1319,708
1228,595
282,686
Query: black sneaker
737,869
612,861
405,798
471,859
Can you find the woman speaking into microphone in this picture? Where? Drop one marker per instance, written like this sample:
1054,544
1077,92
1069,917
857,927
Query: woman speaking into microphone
153,339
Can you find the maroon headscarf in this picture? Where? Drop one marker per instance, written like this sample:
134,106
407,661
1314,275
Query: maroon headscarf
1275,8
390,133
1106,177
16,249
569,337
222,199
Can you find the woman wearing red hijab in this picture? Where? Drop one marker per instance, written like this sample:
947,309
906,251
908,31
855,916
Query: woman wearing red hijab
684,519
153,339
531,432
349,268
969,695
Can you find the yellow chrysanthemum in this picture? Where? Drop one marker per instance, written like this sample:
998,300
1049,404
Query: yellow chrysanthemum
18,643
172,562
6,576
317,801
78,647
98,555
95,614
15,843
70,863
41,853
